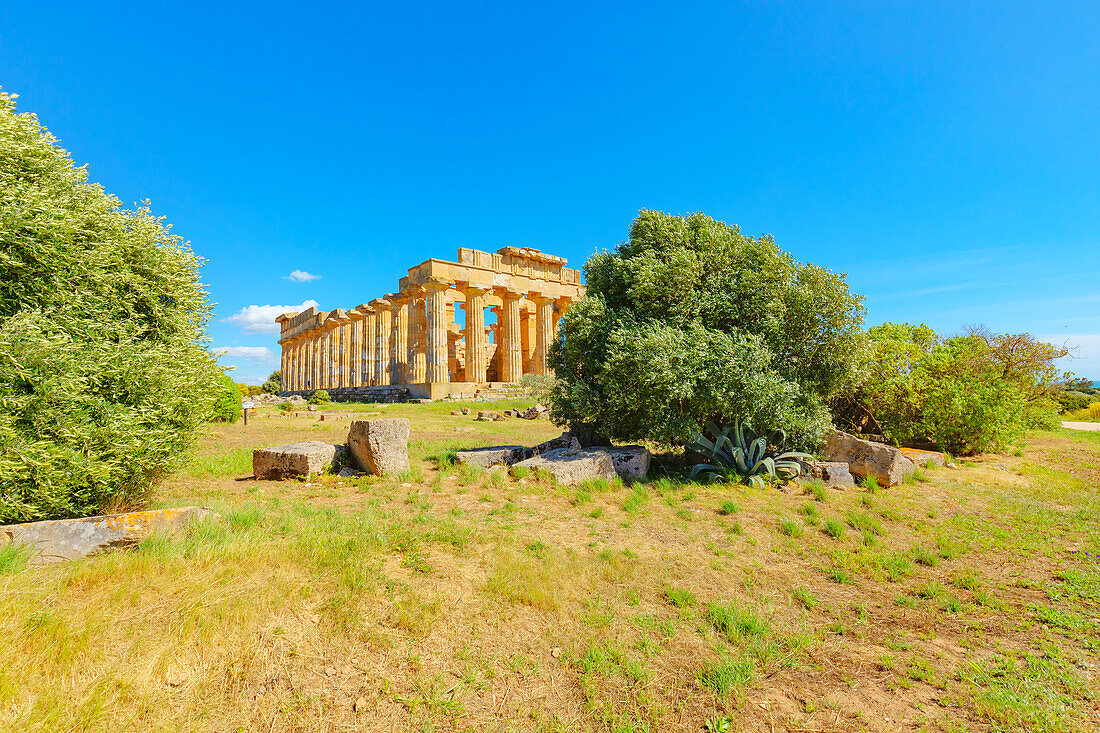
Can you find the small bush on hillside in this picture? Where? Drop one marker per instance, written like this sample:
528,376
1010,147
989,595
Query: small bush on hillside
285,407
690,320
1071,400
227,402
320,397
104,372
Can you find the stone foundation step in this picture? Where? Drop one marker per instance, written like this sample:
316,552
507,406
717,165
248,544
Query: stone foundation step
384,393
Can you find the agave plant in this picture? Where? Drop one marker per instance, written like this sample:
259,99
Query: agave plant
738,452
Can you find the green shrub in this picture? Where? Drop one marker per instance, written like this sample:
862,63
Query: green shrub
285,407
320,397
968,394
227,401
274,383
104,372
691,320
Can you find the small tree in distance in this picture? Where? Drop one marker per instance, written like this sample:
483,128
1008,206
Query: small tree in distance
690,320
274,383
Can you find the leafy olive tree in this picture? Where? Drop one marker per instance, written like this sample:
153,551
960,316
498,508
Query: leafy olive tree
690,320
104,372
968,393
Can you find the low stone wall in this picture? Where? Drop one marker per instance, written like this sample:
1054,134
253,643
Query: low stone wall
359,394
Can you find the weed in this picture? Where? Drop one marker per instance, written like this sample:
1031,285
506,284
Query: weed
864,522
925,557
838,575
636,499
13,558
728,507
680,597
805,598
790,528
727,674
833,528
735,622
871,484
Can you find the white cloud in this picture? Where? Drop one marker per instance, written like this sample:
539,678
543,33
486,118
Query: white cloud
257,354
261,318
301,276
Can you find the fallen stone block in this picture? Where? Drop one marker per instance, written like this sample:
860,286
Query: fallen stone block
924,457
534,412
69,539
834,473
292,460
499,455
566,441
380,446
631,462
866,458
571,467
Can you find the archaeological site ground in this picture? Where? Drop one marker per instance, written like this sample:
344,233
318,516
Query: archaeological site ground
452,598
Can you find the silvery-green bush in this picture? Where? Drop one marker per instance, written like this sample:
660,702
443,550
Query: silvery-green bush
690,320
104,371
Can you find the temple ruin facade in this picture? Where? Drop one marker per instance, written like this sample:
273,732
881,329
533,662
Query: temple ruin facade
511,299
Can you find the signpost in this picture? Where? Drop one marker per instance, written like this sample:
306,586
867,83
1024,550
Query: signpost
247,405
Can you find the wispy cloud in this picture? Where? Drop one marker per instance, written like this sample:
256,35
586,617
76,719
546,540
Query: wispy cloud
261,318
255,354
301,276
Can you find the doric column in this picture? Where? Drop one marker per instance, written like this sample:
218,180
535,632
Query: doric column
477,361
418,365
366,345
284,363
345,329
355,370
436,362
316,345
332,352
382,319
291,362
544,331
400,367
512,360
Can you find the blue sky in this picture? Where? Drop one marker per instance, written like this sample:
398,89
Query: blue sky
945,155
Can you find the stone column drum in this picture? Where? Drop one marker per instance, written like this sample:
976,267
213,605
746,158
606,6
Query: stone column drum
366,345
400,338
418,366
477,362
544,332
383,318
512,358
437,364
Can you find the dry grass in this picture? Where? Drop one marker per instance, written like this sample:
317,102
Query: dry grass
465,600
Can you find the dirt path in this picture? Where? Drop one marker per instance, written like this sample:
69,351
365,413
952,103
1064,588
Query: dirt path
1092,427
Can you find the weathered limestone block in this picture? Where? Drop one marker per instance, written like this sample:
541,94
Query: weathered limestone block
69,539
566,441
571,467
499,455
534,412
834,473
864,458
631,461
380,446
924,457
293,459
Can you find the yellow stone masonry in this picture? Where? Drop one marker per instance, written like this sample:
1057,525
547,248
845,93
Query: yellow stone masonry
410,338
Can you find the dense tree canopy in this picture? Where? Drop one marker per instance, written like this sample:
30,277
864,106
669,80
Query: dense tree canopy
690,320
104,373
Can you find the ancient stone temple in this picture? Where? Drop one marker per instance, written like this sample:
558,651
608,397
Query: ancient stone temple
511,300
